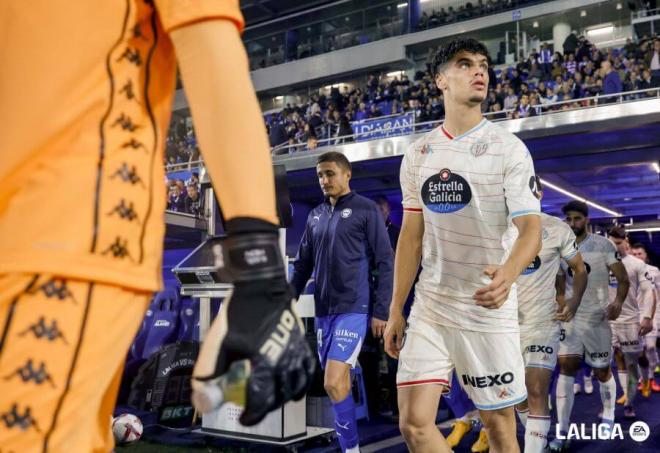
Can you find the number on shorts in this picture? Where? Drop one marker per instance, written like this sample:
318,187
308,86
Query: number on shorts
562,334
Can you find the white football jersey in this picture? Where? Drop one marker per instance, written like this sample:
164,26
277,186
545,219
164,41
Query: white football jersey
598,253
640,278
536,285
467,188
655,274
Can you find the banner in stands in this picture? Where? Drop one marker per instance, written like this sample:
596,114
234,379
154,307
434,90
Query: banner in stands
384,127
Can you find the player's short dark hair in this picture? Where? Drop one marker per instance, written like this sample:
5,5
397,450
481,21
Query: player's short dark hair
640,245
446,52
577,206
617,231
336,157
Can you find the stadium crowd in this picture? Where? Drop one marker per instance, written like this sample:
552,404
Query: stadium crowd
534,85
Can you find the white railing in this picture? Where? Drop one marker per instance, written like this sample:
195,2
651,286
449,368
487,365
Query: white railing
541,110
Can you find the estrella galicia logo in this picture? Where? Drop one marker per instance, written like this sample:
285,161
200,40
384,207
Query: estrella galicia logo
586,265
533,266
533,186
446,192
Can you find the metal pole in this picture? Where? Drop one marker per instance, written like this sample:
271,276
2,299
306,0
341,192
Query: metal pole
517,40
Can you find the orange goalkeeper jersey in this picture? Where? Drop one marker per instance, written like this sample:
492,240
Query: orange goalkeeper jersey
86,92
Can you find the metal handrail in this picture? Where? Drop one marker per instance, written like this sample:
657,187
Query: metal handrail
645,13
540,108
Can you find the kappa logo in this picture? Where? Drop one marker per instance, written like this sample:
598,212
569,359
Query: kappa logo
425,149
487,381
346,213
479,148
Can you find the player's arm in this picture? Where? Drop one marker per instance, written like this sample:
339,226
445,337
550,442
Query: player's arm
383,260
560,287
567,311
406,264
303,266
619,271
233,141
228,121
647,299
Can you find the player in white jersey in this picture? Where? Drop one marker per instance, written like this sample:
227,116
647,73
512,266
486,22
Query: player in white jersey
589,333
635,320
539,316
649,360
461,183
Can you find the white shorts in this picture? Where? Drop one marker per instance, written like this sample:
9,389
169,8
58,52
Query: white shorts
488,366
539,344
650,339
594,340
625,337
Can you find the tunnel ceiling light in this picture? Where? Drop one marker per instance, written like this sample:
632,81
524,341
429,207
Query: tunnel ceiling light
535,24
636,230
577,197
619,6
656,167
394,73
583,13
402,5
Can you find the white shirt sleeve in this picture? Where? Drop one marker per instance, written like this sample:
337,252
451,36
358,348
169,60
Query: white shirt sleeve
520,191
612,255
568,245
409,183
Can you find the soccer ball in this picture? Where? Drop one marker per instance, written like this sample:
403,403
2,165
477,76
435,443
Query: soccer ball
127,428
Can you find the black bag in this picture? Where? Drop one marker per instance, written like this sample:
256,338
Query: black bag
162,385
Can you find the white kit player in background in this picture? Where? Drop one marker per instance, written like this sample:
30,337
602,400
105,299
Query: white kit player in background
635,320
462,183
650,360
539,316
589,333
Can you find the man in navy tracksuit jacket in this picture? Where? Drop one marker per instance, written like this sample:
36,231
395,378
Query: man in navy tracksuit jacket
344,239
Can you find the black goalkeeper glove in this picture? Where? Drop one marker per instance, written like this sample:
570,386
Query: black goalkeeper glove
257,322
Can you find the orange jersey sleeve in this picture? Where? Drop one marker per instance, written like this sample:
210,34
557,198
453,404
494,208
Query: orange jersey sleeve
86,93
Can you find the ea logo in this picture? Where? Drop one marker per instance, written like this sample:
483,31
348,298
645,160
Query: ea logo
346,213
533,266
533,186
446,192
639,431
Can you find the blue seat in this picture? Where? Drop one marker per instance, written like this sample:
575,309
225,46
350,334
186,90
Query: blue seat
189,320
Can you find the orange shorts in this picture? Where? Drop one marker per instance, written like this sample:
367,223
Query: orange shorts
62,349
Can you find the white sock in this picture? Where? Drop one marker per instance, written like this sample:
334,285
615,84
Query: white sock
565,398
536,433
607,396
355,449
633,377
623,380
522,416
652,355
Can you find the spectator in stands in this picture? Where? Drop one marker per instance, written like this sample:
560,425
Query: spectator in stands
375,112
193,202
611,80
523,107
570,43
510,100
556,70
535,74
570,64
545,61
177,201
654,64
362,113
345,131
576,86
644,83
310,138
495,112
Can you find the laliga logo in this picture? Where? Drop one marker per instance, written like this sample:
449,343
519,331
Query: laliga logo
639,432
